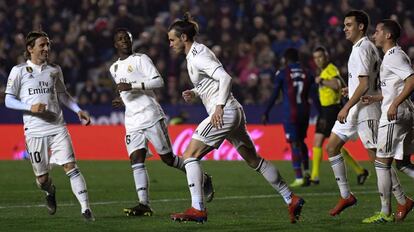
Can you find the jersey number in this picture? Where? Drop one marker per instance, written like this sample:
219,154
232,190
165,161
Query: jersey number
299,88
35,156
128,139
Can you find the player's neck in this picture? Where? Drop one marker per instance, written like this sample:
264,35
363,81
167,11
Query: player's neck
123,56
358,38
37,61
187,47
387,46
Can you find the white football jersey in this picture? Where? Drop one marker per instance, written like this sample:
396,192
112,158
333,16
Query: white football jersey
34,84
395,68
141,107
201,65
364,61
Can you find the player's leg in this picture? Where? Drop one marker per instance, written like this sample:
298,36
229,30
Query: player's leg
204,140
302,129
383,170
296,148
340,134
317,157
37,147
391,144
137,149
192,156
405,166
63,154
245,147
158,136
359,170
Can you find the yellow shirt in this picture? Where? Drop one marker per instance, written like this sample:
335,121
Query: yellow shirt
327,95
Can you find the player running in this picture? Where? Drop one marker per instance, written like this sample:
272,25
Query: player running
36,87
136,78
226,120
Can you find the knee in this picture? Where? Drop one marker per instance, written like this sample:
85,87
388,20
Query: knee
168,159
43,179
69,166
137,156
332,149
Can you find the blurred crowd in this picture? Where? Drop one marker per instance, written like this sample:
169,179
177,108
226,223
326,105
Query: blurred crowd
248,37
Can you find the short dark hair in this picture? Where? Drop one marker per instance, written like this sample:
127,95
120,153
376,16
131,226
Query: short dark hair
31,39
291,55
185,26
320,49
392,27
361,17
122,29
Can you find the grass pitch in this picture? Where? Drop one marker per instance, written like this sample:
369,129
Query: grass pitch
243,201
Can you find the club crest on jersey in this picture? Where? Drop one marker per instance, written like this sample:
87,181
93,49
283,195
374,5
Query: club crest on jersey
54,75
130,69
29,69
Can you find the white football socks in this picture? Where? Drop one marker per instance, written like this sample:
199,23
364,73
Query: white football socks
140,174
195,182
339,170
272,175
78,185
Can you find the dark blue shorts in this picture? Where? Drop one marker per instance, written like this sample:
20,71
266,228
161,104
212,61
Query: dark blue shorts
296,131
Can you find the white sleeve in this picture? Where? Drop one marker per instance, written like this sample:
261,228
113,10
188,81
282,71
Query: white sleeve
400,65
13,103
153,79
207,63
363,59
68,101
60,83
14,82
224,85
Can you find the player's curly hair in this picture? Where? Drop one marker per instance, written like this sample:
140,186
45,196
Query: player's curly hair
31,39
185,26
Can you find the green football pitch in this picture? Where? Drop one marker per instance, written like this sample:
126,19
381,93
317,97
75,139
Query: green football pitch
243,201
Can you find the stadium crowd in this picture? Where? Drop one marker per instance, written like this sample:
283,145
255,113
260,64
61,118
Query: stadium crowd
248,37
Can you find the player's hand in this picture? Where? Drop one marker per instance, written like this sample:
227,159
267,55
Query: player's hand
367,99
117,102
123,87
342,115
344,92
265,119
48,116
38,108
188,95
84,117
217,117
318,80
392,112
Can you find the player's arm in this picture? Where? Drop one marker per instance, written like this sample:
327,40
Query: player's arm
359,92
334,83
369,99
272,99
13,90
405,93
224,91
153,81
66,99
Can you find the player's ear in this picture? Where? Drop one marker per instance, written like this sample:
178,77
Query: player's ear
184,37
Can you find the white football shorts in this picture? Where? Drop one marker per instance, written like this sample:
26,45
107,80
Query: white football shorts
233,129
156,134
395,139
367,131
46,151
